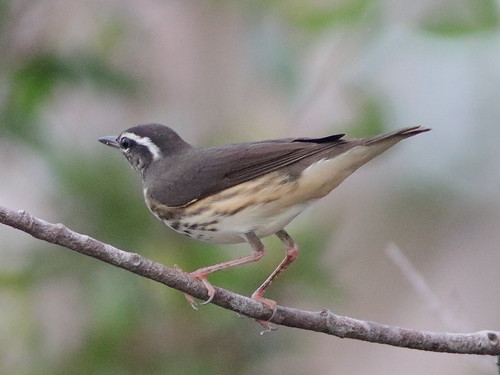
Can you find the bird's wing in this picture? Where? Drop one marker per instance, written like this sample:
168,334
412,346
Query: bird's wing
200,173
215,169
257,159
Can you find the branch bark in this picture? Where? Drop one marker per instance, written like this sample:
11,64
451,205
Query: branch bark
483,342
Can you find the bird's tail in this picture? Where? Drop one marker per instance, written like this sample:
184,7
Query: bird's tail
325,175
396,136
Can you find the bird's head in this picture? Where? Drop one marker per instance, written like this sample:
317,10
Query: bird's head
144,145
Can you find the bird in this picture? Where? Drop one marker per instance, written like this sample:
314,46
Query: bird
242,192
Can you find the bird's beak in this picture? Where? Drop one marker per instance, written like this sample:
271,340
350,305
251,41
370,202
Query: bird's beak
110,141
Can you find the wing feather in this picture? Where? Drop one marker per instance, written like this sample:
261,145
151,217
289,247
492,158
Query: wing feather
203,172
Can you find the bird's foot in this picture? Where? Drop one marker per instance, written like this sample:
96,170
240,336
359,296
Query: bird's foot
269,327
203,278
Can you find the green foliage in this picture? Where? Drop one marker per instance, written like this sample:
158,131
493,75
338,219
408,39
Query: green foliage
462,17
107,196
370,119
32,84
315,17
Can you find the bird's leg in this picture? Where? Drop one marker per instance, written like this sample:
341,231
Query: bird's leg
291,251
201,273
188,297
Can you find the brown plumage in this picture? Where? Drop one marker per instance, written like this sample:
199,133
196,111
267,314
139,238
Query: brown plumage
242,192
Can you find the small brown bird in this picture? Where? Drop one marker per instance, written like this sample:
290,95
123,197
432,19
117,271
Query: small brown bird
242,192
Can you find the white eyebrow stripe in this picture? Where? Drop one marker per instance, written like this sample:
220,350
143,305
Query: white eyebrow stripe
145,141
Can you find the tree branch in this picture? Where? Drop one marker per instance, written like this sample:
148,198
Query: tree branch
483,342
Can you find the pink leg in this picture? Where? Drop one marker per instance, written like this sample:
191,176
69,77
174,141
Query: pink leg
291,250
201,273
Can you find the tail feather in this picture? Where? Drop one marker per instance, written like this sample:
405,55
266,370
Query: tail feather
397,135
324,175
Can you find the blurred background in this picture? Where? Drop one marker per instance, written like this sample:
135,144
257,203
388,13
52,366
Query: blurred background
225,71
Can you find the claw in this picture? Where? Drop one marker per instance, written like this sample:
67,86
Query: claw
203,278
210,288
266,301
269,327
191,301
271,304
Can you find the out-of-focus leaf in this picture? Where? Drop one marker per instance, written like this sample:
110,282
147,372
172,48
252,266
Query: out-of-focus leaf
104,197
370,120
32,84
316,16
461,17
17,281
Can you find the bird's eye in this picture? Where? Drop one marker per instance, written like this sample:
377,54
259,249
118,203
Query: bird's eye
126,143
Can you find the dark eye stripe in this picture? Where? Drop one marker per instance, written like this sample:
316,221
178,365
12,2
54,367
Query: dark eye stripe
126,143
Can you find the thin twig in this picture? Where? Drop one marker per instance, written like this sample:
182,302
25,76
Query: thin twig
421,287
429,297
483,342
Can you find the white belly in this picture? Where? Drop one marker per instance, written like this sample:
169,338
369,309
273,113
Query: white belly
264,220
